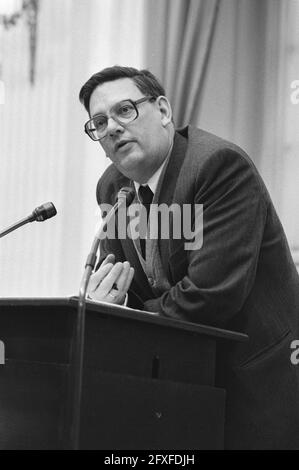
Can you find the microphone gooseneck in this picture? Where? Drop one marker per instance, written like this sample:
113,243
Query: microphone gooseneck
124,198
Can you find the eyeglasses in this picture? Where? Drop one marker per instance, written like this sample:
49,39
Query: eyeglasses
123,113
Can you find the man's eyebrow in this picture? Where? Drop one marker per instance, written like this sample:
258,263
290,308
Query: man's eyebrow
111,107
98,114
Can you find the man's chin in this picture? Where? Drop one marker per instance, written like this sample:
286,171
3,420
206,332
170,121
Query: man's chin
131,165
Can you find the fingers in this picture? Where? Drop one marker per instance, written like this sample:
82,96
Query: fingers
109,259
119,289
129,279
111,278
99,275
121,281
102,272
111,282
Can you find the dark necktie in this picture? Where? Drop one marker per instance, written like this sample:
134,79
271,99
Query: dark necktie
146,196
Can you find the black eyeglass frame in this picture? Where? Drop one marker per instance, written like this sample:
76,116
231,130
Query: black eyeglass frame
134,103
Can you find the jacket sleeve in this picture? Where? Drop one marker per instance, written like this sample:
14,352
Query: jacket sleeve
221,273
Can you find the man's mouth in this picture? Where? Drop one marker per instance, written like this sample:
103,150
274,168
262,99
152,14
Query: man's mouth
122,144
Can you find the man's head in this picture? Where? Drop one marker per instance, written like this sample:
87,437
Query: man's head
135,136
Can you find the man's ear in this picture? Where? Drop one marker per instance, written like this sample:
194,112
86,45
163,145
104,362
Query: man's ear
165,110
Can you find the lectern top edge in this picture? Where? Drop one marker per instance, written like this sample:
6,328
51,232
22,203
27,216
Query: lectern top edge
125,312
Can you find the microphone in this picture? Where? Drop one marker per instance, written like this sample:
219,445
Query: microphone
125,193
44,212
124,197
41,213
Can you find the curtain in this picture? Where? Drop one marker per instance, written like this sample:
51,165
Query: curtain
44,153
281,143
179,40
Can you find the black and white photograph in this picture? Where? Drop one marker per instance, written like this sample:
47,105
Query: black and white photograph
149,227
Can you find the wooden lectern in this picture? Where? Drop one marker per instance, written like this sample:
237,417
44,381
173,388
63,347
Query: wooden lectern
148,381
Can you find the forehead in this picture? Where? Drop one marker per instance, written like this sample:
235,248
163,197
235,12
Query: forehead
107,94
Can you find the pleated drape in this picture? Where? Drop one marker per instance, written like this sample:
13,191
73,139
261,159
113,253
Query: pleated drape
180,37
44,153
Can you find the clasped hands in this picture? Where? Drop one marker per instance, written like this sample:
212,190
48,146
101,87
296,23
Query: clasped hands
111,282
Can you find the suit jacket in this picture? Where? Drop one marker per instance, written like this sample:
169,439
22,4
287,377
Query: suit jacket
242,278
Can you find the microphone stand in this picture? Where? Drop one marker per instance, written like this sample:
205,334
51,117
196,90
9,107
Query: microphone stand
78,352
15,226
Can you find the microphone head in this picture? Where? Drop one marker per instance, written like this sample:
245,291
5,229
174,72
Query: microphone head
126,193
44,212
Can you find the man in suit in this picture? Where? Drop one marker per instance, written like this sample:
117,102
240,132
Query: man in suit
241,277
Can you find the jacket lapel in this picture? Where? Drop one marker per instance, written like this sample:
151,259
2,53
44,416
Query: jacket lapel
167,192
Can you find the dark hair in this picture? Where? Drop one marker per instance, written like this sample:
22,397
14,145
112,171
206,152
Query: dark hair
143,79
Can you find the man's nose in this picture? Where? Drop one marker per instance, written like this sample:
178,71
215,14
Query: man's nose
113,127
